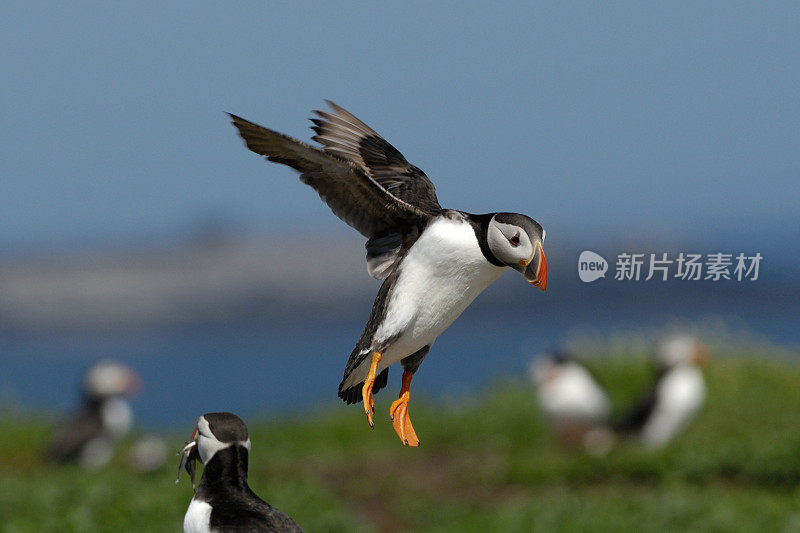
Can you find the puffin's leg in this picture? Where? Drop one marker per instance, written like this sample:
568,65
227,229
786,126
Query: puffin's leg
366,391
399,409
399,413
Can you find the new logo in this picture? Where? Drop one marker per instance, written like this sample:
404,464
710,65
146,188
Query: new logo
591,266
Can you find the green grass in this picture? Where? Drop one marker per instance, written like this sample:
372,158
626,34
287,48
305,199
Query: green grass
487,465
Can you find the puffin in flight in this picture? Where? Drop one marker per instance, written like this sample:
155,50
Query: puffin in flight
224,500
434,261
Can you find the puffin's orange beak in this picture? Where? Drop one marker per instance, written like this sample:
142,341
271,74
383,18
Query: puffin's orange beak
536,271
702,356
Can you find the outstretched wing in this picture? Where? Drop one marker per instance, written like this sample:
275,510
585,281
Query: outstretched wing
351,194
379,194
342,134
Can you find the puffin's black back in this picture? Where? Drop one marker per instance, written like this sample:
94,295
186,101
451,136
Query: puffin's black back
234,506
69,439
634,420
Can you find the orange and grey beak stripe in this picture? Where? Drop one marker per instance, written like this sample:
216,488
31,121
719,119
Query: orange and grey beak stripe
536,272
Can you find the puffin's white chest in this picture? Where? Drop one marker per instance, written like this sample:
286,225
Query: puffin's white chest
680,395
117,417
573,394
439,277
197,518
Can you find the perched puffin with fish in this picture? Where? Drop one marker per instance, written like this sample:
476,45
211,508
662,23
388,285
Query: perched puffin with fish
223,501
433,261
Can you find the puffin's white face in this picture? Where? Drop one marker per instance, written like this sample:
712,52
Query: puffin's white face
208,444
542,369
214,432
683,349
109,378
516,240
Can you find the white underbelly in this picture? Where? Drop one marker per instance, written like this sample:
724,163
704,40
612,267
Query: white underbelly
680,396
430,313
440,276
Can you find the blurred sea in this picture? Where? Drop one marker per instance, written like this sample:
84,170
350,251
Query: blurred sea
257,332
275,364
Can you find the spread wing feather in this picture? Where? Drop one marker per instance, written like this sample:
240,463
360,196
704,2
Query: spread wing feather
364,180
342,134
352,195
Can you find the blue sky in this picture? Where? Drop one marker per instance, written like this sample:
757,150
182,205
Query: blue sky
678,119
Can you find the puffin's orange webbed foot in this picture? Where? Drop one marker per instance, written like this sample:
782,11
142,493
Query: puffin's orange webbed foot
366,391
399,413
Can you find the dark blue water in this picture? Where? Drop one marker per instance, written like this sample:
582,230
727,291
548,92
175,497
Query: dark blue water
245,368
294,361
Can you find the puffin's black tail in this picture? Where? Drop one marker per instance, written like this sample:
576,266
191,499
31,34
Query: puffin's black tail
353,393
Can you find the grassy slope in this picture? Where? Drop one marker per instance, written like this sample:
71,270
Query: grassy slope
489,465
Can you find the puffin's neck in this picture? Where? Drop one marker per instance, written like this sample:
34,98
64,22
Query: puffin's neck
480,224
227,469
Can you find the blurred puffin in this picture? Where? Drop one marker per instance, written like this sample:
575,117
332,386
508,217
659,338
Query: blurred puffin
224,501
572,401
89,437
676,395
434,261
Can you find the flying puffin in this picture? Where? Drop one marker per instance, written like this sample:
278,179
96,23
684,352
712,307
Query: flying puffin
224,501
433,261
674,398
572,401
89,437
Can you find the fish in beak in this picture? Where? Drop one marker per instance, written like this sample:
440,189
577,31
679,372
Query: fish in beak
189,457
536,269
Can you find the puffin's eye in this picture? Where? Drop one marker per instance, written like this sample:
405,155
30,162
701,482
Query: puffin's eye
514,240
